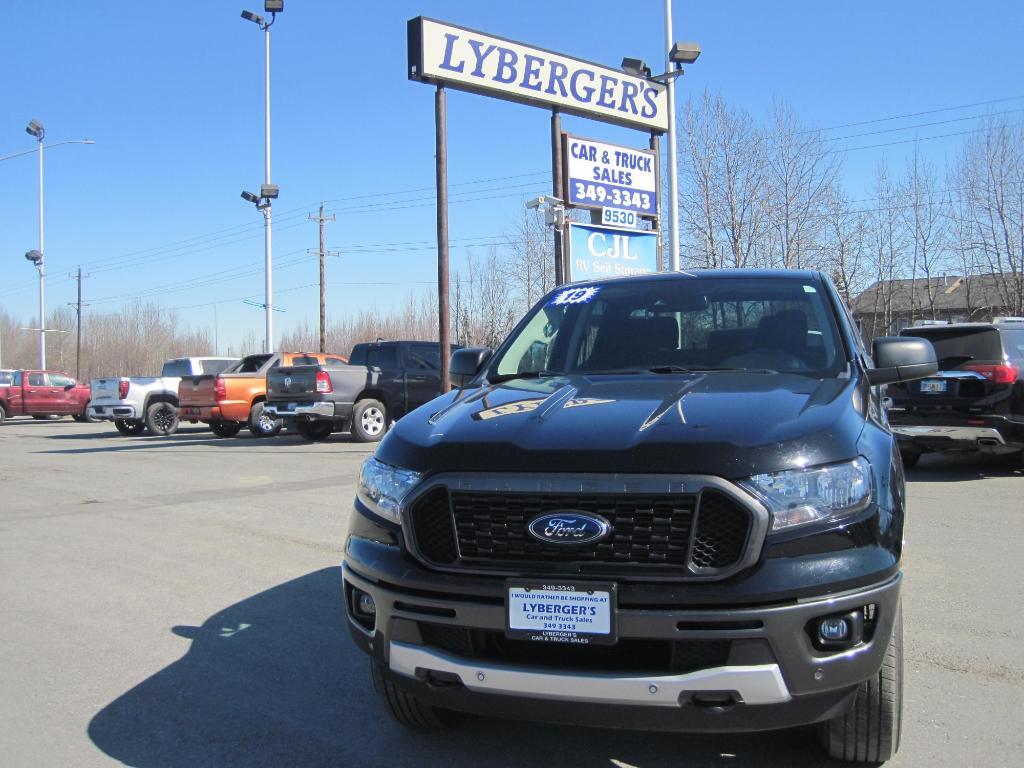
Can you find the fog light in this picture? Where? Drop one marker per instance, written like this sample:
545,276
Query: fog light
365,604
833,629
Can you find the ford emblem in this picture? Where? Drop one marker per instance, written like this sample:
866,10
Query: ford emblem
569,527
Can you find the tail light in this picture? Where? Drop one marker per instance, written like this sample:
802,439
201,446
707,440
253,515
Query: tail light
220,389
997,374
122,389
323,383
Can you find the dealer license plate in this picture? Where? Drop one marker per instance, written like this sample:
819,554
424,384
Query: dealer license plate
557,612
189,411
933,386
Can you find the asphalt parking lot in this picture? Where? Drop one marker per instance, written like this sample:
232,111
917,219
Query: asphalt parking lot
175,602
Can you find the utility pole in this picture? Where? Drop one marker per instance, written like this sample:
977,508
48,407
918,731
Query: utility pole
323,294
78,310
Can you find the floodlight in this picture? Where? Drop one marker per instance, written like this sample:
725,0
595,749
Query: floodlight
636,67
684,53
250,197
35,257
253,17
273,6
268,191
35,128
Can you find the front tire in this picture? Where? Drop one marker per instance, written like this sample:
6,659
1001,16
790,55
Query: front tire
369,421
870,731
261,423
314,430
129,428
225,428
3,415
405,709
162,419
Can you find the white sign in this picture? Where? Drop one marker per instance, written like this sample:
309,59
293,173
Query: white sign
599,175
619,217
551,613
440,52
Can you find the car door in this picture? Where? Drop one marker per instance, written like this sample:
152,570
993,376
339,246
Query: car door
39,396
422,374
15,394
62,392
391,378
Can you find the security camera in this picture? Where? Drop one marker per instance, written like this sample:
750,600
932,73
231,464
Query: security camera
537,202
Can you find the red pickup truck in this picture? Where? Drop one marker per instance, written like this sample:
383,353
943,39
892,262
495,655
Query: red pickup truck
43,393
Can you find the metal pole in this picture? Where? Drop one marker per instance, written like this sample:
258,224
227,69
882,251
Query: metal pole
42,269
323,295
556,187
267,222
673,171
78,342
441,157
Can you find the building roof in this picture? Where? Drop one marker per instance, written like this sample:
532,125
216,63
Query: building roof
952,293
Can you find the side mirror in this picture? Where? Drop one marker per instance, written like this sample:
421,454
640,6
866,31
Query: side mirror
901,358
466,363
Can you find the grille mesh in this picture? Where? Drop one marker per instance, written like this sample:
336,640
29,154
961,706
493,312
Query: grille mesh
722,527
645,529
489,530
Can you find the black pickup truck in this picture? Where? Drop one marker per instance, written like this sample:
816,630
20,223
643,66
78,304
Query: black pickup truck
668,502
382,382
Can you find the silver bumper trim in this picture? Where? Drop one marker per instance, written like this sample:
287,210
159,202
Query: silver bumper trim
320,409
970,434
758,684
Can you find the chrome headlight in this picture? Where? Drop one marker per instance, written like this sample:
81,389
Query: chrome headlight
383,487
799,497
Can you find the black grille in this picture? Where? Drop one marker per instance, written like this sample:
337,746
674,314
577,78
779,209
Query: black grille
650,530
432,526
627,655
722,529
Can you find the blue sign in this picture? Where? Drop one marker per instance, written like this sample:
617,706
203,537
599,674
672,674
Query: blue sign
598,252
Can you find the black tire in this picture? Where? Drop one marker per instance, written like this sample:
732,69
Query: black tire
405,709
870,731
225,428
263,424
86,417
3,415
129,427
161,418
369,421
47,417
910,457
315,430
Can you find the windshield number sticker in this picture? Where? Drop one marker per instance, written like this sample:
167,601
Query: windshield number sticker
574,296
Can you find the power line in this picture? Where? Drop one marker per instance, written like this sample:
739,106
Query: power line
912,141
914,114
926,125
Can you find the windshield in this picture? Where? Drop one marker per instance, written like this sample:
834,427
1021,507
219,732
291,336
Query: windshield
750,323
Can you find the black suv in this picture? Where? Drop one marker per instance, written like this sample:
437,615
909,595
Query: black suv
975,403
667,502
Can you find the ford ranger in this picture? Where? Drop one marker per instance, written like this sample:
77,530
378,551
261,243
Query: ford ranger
666,502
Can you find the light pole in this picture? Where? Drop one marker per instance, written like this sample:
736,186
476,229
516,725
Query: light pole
36,130
268,191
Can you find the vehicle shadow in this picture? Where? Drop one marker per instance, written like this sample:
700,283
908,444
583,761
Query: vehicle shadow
185,438
274,680
952,468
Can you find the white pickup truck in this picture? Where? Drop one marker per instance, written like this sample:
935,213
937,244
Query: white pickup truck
136,404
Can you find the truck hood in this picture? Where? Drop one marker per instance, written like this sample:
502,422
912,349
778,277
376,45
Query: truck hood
730,424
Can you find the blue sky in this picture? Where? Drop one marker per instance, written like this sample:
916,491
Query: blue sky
174,100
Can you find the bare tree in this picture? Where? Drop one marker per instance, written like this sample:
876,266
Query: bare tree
844,246
800,172
925,223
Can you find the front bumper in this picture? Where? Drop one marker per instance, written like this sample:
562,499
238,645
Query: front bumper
774,676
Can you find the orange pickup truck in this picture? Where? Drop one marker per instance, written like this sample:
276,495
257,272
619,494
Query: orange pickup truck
236,397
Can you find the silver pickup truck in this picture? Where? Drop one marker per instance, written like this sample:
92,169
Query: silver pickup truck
136,404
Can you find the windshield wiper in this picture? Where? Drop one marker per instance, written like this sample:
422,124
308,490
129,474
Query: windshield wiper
521,375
